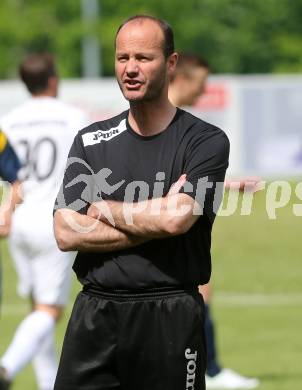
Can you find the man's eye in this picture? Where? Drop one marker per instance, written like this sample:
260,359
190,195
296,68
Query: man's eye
143,59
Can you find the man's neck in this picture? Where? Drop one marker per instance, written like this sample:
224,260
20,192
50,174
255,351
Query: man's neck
44,94
51,90
174,96
150,118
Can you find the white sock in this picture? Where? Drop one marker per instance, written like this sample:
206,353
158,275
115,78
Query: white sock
27,340
45,363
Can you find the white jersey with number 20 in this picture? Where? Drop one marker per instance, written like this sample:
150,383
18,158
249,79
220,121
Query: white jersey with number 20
41,131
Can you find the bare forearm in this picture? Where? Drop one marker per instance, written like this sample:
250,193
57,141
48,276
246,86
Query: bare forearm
156,218
78,232
13,197
110,240
16,194
150,219
139,221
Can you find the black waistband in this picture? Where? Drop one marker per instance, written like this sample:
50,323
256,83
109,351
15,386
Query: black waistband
159,292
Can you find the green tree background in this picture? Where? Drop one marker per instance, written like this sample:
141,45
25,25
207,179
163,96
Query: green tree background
236,36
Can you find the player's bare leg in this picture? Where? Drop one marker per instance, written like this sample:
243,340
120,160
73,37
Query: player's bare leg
45,360
34,341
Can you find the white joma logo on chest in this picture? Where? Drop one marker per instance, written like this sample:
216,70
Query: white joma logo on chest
103,135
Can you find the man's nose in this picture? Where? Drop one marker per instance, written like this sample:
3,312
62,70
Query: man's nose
132,67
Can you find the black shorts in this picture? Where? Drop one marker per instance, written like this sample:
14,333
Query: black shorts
150,341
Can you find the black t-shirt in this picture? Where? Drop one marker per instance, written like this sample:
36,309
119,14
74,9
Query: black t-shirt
107,156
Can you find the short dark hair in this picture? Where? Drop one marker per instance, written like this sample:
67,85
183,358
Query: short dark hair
187,61
35,71
168,44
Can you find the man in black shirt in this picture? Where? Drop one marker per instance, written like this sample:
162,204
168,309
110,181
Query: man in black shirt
137,202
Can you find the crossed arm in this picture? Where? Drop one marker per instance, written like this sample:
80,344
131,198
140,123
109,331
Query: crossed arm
111,225
74,231
154,218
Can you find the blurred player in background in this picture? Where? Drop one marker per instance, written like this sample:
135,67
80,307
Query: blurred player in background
187,84
41,131
9,167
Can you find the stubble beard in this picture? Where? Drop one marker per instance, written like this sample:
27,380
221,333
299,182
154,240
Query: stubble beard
153,91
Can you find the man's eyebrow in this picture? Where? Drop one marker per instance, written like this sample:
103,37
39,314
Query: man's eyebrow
145,53
140,53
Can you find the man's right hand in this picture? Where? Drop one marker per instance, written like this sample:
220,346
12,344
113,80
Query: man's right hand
176,187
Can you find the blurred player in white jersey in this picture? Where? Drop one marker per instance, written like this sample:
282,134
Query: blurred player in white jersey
187,84
41,131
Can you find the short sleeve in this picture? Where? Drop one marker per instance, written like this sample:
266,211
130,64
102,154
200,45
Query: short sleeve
76,188
206,162
9,162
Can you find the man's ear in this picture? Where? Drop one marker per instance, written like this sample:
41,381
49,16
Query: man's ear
53,83
172,62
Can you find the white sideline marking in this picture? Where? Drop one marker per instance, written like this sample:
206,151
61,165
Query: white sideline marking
219,298
13,309
246,299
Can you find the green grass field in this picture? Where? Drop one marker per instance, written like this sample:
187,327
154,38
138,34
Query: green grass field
257,302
